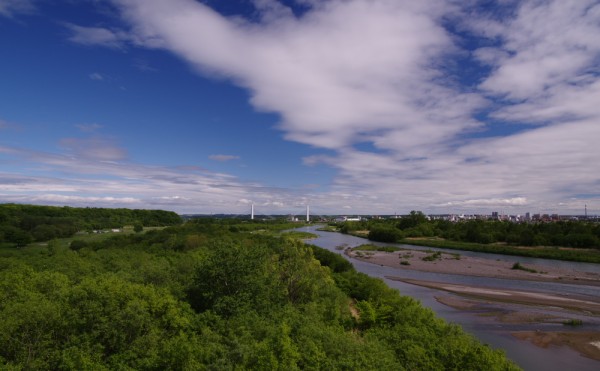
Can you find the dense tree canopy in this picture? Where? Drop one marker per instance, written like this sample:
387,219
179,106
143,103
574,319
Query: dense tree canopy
206,295
22,224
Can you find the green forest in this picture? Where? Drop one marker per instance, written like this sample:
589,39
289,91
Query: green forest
213,295
502,237
23,224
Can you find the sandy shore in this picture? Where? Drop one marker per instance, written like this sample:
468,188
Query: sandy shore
523,307
587,305
479,267
503,305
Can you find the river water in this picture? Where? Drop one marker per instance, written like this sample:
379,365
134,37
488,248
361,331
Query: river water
490,332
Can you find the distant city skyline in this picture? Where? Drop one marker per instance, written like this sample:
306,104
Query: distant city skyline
353,107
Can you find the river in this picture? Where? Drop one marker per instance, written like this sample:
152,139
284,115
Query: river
495,334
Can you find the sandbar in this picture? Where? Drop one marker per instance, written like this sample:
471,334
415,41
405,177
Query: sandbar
454,263
525,307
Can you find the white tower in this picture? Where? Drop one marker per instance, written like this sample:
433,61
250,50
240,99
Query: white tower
307,213
252,212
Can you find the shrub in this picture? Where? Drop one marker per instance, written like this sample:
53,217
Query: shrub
78,245
384,234
518,266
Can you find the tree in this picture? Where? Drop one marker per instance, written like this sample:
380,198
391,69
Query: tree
412,220
231,278
384,234
17,236
138,227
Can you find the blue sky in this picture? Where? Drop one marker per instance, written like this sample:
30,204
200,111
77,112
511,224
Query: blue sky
353,107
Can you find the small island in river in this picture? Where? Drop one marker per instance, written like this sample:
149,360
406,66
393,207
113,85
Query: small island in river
454,263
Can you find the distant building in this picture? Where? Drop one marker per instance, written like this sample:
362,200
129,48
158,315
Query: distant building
348,219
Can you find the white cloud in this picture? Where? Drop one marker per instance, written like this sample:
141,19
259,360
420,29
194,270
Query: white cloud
223,158
93,181
548,49
94,148
358,71
93,36
10,8
344,72
376,74
516,201
89,128
96,76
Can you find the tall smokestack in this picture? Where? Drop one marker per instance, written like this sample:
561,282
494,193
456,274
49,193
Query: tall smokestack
252,212
307,213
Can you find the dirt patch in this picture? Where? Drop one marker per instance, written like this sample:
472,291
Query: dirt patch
354,311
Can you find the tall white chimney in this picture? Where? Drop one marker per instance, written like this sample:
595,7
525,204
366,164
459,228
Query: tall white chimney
252,212
307,213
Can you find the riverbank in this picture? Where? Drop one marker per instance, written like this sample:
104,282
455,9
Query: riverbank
543,252
523,307
501,305
448,263
582,255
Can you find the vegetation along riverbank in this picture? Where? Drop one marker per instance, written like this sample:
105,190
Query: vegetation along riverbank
564,240
211,294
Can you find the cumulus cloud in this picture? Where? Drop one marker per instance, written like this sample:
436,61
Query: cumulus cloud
344,73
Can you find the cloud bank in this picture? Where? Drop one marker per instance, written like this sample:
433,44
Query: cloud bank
96,178
431,105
